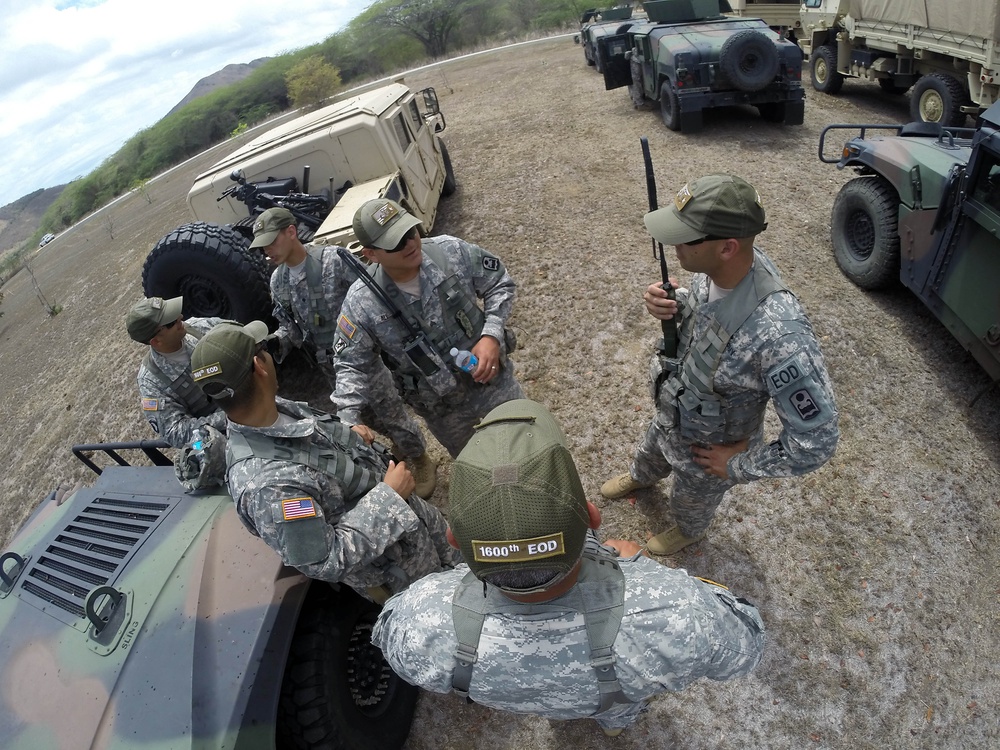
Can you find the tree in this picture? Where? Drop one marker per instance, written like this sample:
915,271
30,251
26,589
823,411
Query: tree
311,81
431,22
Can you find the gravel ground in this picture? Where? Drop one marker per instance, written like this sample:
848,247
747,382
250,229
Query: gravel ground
876,575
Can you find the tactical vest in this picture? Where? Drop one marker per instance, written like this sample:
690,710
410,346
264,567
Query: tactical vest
600,600
688,395
195,402
322,325
463,318
356,466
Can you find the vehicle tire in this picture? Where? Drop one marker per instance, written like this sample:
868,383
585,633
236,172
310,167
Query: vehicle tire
888,85
338,692
212,267
749,60
865,232
670,107
586,55
823,67
450,183
938,98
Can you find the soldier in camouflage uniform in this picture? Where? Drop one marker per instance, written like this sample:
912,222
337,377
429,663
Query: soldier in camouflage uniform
170,401
545,620
308,287
743,340
435,284
319,492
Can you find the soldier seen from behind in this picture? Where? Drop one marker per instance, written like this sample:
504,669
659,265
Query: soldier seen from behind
308,287
544,619
422,302
743,341
325,497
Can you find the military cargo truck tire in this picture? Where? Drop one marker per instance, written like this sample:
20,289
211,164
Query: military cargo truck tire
823,67
938,97
338,692
209,264
865,232
670,106
749,60
450,183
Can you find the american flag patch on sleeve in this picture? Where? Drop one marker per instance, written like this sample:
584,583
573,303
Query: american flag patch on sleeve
150,404
298,507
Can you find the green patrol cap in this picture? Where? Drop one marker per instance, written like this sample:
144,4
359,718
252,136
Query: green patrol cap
515,500
150,314
223,358
382,223
718,205
269,224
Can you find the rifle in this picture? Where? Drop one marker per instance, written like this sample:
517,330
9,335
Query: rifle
416,346
669,343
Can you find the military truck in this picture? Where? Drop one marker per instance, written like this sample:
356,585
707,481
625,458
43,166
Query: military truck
689,57
383,142
781,15
133,615
596,24
948,52
925,211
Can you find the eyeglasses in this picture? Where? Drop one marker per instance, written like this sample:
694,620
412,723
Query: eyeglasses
709,238
171,324
402,243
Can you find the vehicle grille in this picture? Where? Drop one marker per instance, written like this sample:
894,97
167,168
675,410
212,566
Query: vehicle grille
91,550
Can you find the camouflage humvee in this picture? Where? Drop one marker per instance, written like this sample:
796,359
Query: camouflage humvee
926,211
690,57
135,616
597,24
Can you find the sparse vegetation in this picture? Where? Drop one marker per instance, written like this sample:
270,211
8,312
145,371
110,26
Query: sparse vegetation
311,81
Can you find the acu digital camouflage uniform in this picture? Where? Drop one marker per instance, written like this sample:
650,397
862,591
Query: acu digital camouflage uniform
170,401
451,402
773,356
675,630
365,536
306,307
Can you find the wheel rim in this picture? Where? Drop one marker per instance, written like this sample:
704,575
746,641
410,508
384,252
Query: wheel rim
369,676
204,298
861,235
819,70
931,106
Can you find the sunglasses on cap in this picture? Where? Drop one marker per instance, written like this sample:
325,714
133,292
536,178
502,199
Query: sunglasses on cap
402,243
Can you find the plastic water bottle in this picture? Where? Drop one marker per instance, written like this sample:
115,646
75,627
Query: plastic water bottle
198,440
464,359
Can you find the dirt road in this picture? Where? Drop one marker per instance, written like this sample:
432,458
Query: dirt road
877,575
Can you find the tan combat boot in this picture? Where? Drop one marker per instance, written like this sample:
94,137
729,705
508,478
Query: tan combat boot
671,541
424,471
620,486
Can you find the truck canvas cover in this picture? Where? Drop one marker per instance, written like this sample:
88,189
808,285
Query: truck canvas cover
980,18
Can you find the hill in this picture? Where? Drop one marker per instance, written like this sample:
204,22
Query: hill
229,74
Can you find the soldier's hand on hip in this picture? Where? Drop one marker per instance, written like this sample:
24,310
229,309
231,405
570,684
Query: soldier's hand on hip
715,458
487,351
658,304
365,433
400,479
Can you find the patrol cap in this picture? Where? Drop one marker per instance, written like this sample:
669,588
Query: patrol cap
718,205
223,358
269,224
515,500
150,314
382,223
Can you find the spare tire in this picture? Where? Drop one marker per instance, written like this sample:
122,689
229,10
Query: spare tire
212,267
749,60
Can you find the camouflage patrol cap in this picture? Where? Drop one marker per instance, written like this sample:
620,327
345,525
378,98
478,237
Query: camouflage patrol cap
515,500
223,358
269,224
150,314
718,205
382,223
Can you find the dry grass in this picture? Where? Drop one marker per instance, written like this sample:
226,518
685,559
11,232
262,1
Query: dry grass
876,575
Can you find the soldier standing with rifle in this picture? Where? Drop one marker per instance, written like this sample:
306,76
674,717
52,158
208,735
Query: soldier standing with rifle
743,340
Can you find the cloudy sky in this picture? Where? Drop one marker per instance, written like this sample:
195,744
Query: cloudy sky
78,78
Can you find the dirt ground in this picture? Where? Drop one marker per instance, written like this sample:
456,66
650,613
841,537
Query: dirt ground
876,576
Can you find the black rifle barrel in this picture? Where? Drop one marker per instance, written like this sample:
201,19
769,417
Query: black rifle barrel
669,326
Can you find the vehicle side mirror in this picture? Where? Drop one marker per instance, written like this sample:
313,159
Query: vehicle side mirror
431,101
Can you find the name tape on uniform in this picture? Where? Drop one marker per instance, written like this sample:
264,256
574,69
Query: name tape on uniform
519,550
